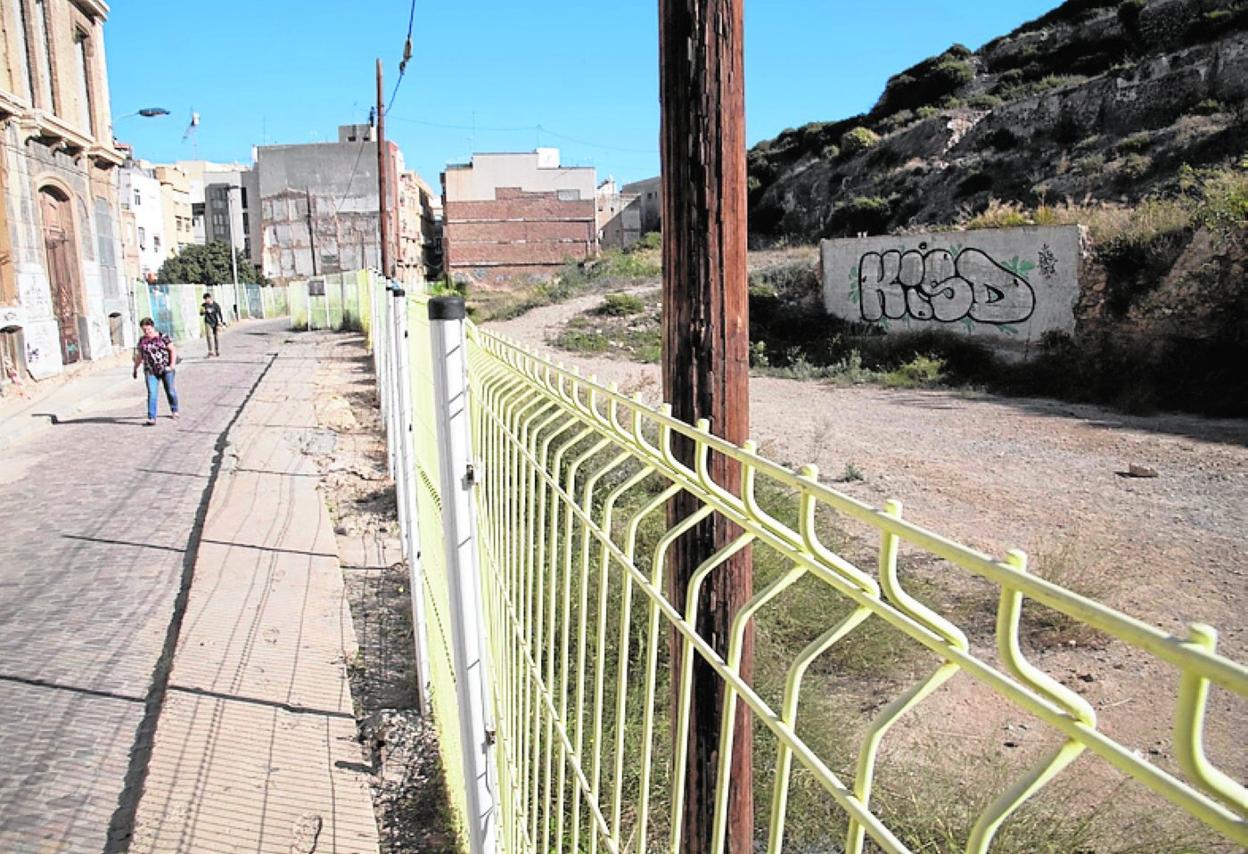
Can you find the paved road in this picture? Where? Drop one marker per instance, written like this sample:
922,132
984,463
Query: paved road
99,517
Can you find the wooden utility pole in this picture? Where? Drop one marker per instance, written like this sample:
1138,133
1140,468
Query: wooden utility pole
706,361
383,185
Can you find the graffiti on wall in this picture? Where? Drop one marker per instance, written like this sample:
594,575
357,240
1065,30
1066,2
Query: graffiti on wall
946,285
1010,285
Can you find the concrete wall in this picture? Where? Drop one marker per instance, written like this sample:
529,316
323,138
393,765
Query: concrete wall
1007,285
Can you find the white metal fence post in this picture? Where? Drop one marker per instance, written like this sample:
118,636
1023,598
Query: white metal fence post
406,486
468,626
388,385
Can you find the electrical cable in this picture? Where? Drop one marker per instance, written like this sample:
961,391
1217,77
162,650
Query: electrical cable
407,55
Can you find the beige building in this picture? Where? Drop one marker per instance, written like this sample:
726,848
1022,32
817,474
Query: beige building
63,296
175,206
509,217
619,216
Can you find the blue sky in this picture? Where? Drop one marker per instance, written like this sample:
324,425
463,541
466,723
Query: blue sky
498,75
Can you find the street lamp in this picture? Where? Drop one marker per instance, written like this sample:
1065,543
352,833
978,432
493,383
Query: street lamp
229,213
146,112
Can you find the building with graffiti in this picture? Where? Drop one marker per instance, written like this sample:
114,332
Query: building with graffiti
63,298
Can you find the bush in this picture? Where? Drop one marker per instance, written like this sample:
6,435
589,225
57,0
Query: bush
649,240
1209,107
985,102
1136,142
868,214
1090,164
897,120
621,305
858,140
831,151
1135,166
928,81
581,341
927,112
998,214
919,372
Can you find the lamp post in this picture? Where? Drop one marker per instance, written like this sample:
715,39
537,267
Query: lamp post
229,213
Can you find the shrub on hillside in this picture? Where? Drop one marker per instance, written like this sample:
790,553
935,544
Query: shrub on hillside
858,140
927,82
869,214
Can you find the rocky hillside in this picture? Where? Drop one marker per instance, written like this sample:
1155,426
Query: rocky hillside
1099,99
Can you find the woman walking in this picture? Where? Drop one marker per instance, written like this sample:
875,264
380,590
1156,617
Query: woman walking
157,354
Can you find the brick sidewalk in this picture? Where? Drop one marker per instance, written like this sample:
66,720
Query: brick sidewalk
99,517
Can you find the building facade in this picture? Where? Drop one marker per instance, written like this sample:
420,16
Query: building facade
144,218
420,231
63,295
175,207
649,195
319,205
619,216
509,217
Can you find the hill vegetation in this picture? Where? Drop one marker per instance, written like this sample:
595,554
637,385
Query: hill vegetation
1099,100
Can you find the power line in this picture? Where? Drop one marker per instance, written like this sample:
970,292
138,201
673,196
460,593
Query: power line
407,55
350,179
523,129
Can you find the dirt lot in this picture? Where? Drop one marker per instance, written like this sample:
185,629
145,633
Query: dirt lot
1043,476
408,791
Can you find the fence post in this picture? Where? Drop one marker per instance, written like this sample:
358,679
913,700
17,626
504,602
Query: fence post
405,489
387,397
468,626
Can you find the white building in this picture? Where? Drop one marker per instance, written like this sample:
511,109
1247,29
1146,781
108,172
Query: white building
140,195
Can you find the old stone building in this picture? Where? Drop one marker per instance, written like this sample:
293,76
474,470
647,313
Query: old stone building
63,296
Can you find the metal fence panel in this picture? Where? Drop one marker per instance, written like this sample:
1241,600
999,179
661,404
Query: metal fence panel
573,479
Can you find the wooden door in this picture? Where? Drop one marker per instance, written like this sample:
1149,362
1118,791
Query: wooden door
62,255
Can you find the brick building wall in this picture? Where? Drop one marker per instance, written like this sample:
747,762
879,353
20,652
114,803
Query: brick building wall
517,235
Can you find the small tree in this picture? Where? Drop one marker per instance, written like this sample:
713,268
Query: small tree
207,264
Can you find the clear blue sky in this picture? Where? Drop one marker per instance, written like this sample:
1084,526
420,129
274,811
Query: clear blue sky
281,71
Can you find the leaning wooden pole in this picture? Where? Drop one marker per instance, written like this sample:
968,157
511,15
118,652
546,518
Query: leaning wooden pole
706,364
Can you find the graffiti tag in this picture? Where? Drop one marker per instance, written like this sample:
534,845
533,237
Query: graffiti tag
943,285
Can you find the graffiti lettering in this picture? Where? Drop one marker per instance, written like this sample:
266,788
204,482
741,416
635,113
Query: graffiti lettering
944,286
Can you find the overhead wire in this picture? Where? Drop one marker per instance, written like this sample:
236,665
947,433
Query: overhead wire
407,55
522,129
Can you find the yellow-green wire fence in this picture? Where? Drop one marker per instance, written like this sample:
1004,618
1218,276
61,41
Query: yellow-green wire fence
581,748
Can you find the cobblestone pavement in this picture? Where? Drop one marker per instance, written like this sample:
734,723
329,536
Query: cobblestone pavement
98,521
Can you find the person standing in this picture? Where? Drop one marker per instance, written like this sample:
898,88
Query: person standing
158,356
213,321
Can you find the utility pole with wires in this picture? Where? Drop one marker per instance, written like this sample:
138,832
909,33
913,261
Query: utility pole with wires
383,183
706,373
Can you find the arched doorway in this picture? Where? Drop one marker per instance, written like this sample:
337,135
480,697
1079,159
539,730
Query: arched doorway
63,275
